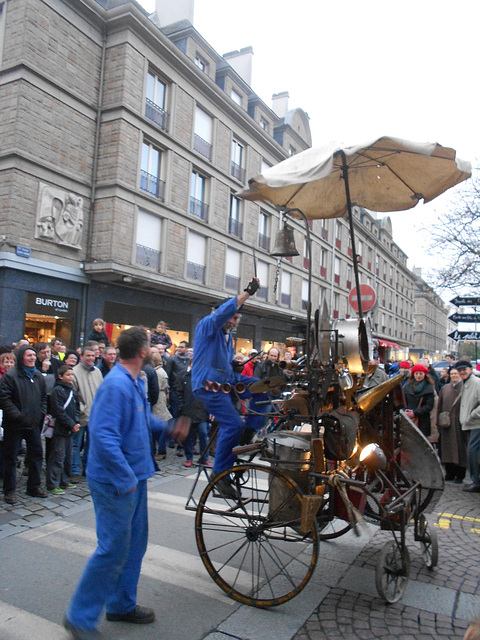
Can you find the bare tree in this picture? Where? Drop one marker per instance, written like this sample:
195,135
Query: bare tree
456,240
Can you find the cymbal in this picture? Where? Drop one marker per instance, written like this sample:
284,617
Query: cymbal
266,384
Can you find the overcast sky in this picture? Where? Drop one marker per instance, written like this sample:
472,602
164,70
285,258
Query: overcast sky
363,69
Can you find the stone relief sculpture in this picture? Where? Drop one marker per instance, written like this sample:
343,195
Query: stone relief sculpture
59,216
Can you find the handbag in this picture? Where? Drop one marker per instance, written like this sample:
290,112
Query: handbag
444,420
49,421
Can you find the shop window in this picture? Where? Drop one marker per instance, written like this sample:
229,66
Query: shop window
48,317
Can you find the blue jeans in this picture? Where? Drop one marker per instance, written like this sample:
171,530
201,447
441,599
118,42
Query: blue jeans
111,576
200,428
474,456
230,422
79,440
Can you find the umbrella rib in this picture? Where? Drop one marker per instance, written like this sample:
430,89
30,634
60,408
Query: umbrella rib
294,194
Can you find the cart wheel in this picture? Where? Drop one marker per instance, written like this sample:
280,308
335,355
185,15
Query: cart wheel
329,526
392,570
252,545
427,536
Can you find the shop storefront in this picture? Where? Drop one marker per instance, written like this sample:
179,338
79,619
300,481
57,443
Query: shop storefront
47,317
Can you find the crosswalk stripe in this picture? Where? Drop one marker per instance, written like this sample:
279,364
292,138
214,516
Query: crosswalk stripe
17,624
160,563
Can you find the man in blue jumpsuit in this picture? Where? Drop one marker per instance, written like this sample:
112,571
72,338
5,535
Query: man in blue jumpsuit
119,463
212,361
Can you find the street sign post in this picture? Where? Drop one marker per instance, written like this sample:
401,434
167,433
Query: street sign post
466,301
465,317
367,295
469,336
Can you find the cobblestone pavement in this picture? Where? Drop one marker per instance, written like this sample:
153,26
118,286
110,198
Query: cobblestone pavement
437,605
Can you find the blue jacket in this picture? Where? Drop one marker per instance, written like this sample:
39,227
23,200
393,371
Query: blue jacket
120,450
213,349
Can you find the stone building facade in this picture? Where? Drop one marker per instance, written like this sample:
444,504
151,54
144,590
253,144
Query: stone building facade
124,141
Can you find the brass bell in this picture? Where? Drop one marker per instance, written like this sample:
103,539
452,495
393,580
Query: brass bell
285,243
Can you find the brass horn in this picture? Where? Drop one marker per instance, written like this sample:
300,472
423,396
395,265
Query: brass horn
240,387
285,243
226,387
366,401
287,364
216,386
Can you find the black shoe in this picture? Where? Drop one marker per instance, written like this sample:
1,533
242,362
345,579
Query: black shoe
140,615
226,489
38,493
11,498
471,489
81,634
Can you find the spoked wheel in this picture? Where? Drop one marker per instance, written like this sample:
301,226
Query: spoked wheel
329,526
252,545
427,536
392,570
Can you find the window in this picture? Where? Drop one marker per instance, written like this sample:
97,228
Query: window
286,288
336,305
150,172
149,234
324,229
202,139
306,254
198,205
359,250
349,277
236,97
196,251
156,101
264,166
237,161
232,270
235,227
264,124
263,237
291,151
337,270
200,63
304,294
262,272
323,263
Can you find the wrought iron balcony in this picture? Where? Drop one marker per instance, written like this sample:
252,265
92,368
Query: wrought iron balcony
232,283
202,146
264,241
196,272
238,172
235,227
152,185
199,209
147,257
156,114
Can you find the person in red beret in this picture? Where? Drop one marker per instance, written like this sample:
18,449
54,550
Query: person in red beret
420,397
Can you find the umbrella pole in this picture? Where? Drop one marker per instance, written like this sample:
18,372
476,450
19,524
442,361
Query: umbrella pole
352,233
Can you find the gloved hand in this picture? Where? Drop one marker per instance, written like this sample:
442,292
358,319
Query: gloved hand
253,286
237,366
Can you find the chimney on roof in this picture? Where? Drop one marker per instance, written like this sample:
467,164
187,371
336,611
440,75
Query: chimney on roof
280,103
169,12
241,61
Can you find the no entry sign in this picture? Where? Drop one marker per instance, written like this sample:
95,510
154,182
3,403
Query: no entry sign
368,296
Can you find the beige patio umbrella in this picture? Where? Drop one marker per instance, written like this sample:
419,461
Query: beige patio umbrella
386,174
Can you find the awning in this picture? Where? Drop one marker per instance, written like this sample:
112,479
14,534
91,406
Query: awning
388,343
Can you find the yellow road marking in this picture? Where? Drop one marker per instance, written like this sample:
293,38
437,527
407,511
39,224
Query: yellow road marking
454,517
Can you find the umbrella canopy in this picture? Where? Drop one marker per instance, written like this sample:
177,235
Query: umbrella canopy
387,174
